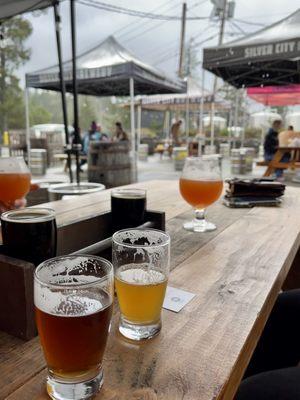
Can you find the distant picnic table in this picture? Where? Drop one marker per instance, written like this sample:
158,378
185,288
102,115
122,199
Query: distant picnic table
272,165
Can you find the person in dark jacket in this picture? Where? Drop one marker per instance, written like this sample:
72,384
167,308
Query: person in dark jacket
271,140
271,144
273,372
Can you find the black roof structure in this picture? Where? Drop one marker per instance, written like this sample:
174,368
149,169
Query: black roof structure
270,56
11,8
105,71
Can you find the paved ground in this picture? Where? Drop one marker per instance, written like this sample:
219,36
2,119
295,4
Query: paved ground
155,168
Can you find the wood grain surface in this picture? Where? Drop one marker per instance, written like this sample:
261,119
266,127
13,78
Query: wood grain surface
202,352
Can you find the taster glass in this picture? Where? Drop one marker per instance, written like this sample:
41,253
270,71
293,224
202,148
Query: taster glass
14,180
29,234
73,298
201,185
141,259
128,207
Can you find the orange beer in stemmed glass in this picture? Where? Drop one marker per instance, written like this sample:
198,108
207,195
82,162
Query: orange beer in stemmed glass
14,180
201,185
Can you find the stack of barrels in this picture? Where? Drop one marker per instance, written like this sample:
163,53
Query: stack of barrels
225,150
242,160
238,162
38,161
143,152
179,156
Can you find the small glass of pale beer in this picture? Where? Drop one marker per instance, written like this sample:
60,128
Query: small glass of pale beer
201,185
14,180
141,259
73,298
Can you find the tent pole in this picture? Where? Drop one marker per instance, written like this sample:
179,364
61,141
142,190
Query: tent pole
236,110
62,88
139,125
244,122
75,90
230,124
132,124
212,121
27,125
187,115
201,115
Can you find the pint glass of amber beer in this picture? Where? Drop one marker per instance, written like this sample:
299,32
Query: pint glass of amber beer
73,302
200,186
14,179
141,260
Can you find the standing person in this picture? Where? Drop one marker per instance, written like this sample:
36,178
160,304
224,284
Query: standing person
270,147
119,135
175,132
93,134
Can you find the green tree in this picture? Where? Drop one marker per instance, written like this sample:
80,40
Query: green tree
13,53
38,114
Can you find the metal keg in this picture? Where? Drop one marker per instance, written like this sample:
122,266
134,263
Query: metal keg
225,150
179,155
210,149
238,162
249,153
143,152
38,161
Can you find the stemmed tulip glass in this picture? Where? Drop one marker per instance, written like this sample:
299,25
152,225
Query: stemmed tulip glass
201,185
14,180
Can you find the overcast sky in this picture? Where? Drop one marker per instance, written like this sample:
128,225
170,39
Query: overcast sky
155,42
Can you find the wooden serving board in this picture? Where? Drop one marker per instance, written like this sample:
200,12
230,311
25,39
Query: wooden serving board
16,276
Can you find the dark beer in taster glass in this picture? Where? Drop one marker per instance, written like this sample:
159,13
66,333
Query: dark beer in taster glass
29,234
128,208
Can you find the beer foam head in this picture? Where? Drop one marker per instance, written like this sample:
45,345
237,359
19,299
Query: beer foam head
149,246
202,168
29,215
129,194
140,274
73,285
73,270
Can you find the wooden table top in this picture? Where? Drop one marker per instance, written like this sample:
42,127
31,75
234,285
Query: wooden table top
201,352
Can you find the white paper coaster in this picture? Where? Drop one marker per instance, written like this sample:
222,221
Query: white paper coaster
176,299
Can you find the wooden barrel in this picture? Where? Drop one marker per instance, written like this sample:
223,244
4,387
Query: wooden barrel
238,162
110,164
38,161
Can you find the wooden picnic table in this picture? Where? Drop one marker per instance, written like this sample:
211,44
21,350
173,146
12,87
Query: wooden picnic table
202,352
275,163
